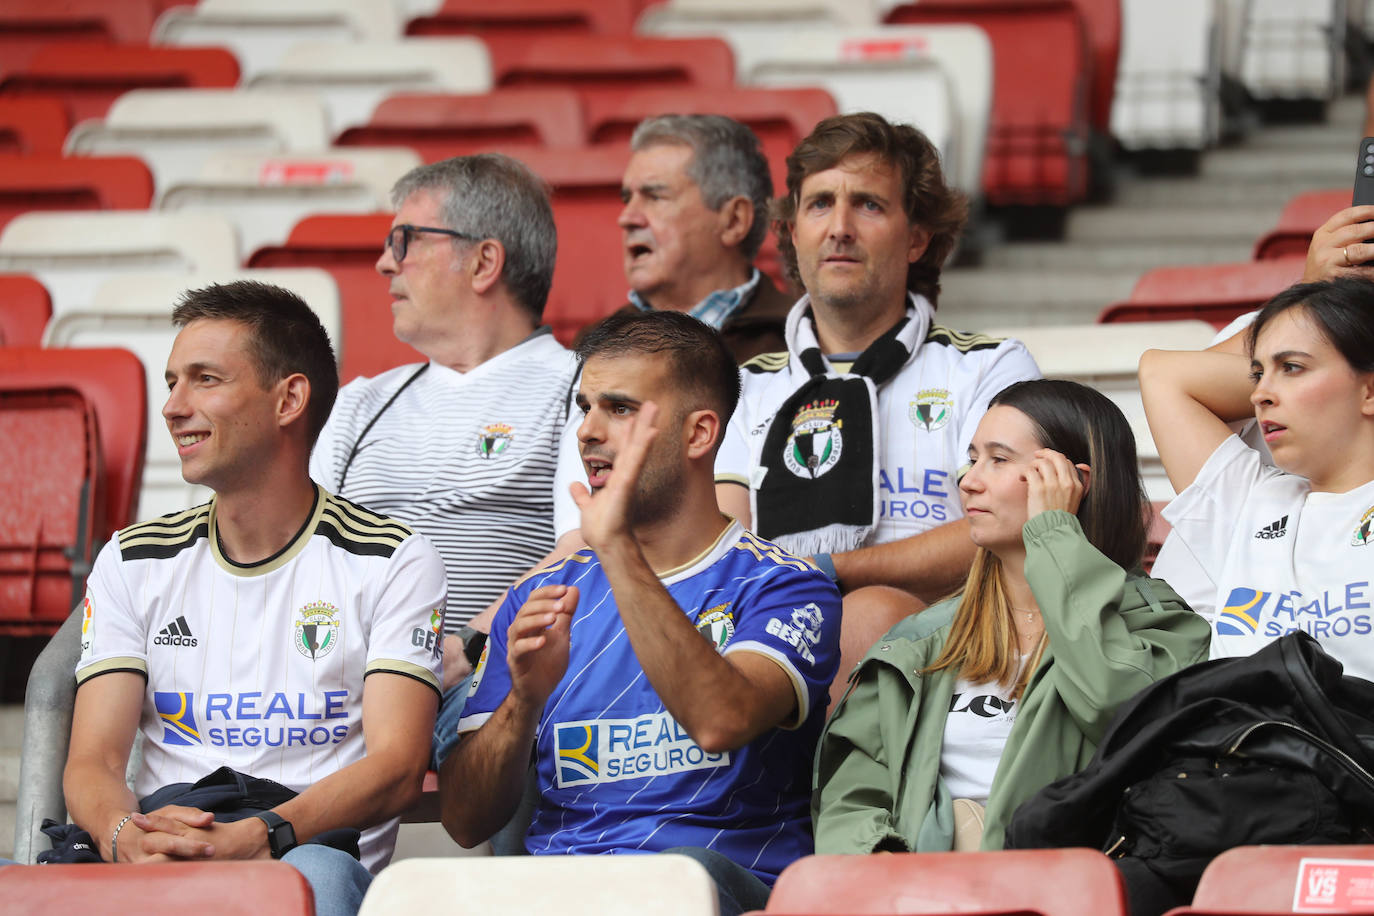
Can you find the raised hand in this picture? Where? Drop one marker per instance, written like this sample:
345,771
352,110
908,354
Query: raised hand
1054,483
607,514
537,642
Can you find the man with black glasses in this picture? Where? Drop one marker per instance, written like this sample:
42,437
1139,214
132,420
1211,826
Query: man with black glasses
462,447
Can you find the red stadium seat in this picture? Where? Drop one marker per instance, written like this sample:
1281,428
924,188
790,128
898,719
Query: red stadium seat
588,279
439,126
1103,21
1217,293
941,883
113,381
75,183
88,78
25,25
30,126
51,488
238,887
347,245
62,412
1038,136
780,117
1301,216
550,17
25,308
595,63
1266,880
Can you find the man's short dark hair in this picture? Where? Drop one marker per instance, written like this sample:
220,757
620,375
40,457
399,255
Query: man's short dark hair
493,196
727,162
698,361
928,201
285,337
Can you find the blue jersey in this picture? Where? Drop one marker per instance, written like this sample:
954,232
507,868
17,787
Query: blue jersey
617,773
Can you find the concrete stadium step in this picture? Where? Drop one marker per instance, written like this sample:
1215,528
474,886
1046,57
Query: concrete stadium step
1097,225
8,811
975,298
1323,166
1222,192
1115,257
11,744
11,726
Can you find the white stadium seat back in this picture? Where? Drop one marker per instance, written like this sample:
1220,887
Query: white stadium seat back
624,885
134,311
692,14
1168,83
1294,49
72,253
352,78
911,90
174,129
1106,357
264,195
259,32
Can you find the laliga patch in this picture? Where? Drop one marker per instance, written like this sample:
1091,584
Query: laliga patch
611,750
430,639
815,444
317,631
480,669
87,625
1362,531
931,409
494,439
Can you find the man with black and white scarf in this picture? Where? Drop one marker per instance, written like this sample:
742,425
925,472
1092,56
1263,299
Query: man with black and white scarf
850,442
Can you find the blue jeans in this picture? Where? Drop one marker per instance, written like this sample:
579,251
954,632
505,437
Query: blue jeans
338,880
446,723
737,888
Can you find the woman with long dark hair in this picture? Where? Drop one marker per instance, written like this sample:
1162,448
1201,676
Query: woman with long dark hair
976,703
1288,546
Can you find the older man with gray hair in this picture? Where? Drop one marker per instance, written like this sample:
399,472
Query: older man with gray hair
696,195
463,446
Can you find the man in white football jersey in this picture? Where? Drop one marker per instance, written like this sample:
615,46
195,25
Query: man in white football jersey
277,630
846,447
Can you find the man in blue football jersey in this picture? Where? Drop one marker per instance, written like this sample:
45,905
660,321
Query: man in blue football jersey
672,677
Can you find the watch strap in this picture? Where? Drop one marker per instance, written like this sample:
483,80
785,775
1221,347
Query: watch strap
281,836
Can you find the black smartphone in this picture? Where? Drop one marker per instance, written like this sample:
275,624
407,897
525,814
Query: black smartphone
1364,174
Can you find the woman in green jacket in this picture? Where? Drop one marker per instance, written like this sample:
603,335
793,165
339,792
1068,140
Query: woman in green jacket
1006,687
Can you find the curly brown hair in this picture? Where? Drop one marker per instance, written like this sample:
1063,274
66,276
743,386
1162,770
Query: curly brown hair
929,202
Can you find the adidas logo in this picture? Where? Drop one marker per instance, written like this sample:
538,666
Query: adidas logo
1273,530
176,633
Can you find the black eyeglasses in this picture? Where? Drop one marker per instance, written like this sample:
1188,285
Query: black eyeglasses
398,239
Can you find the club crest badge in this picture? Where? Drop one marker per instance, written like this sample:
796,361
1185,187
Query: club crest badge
717,625
494,439
317,630
815,443
1365,530
931,409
